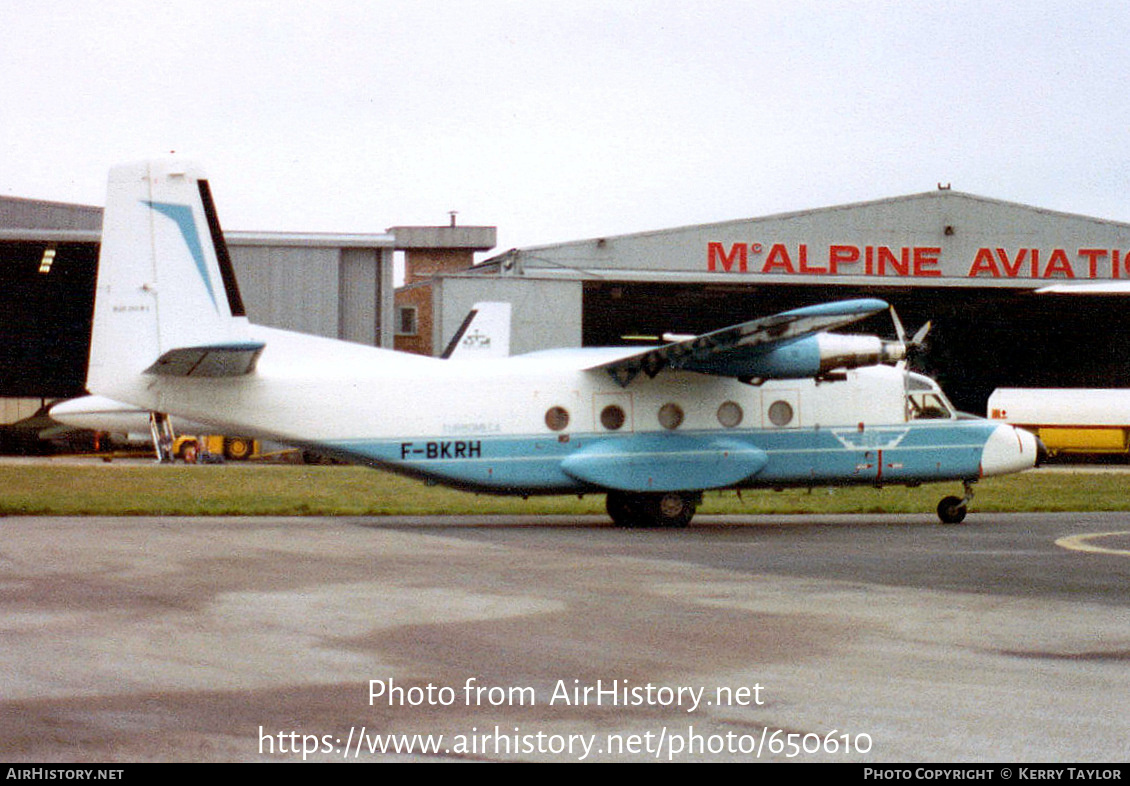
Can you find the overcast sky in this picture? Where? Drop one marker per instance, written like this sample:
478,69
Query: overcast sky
561,120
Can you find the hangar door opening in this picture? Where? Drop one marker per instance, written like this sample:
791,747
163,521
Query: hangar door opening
47,299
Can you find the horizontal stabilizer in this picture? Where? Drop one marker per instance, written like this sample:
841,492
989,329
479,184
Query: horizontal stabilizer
214,360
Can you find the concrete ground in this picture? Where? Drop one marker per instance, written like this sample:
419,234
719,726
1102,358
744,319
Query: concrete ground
858,638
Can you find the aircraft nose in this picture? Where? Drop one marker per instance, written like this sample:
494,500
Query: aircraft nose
1010,449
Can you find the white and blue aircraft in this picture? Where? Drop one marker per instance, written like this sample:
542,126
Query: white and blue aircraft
770,403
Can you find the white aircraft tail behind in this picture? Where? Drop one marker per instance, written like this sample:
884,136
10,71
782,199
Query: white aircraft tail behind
166,297
485,333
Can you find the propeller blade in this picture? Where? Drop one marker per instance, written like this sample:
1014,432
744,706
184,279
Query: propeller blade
920,336
899,331
900,348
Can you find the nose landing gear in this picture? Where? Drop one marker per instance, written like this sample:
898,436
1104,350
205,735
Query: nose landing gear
952,510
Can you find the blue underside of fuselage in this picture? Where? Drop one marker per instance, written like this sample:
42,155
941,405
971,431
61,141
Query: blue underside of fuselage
916,452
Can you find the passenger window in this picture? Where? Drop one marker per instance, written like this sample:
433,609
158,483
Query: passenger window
557,418
612,417
780,413
730,414
670,416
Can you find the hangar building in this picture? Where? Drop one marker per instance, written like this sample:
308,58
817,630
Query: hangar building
969,264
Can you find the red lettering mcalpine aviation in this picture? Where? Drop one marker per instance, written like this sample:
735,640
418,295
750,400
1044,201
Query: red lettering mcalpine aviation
914,261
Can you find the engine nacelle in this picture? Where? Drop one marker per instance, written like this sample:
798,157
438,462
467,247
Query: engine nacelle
837,351
806,357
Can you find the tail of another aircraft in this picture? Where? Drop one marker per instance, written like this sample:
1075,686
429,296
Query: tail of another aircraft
166,300
485,333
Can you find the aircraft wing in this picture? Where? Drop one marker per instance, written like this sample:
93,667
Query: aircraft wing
744,350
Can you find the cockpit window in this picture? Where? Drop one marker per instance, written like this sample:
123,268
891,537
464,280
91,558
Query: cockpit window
927,406
925,400
918,382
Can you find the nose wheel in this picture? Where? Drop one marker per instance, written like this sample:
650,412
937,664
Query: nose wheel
952,510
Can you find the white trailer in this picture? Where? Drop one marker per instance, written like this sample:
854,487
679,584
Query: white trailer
1068,420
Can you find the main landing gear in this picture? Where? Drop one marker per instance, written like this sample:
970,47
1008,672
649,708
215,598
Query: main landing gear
662,509
677,508
952,510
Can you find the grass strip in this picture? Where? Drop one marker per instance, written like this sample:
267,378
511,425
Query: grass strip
256,490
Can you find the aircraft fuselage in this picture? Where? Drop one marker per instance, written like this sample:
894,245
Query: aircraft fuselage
520,425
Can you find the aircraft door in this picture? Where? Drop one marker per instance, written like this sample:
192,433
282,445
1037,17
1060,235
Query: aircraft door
613,412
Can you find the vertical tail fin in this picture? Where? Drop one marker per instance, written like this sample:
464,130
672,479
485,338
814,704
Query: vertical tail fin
485,333
166,300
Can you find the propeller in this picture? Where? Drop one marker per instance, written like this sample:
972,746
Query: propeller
899,350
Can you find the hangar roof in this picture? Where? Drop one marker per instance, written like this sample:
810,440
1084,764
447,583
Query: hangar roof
937,237
37,220
39,214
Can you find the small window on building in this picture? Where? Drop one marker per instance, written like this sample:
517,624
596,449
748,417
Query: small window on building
405,320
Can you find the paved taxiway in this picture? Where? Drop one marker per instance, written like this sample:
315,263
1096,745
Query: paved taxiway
136,639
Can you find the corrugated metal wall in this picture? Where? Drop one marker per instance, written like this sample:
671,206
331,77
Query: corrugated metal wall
290,288
359,296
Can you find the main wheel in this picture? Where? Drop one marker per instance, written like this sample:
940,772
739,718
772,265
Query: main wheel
672,509
624,508
952,510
